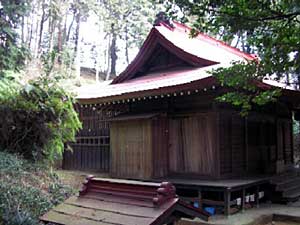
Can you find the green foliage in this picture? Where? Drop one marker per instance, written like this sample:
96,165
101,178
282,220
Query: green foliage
131,19
12,54
268,28
296,127
37,119
27,190
243,92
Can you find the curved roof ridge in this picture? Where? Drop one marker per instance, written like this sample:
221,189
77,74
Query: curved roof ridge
210,39
193,50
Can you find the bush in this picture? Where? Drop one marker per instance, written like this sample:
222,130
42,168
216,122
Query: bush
27,190
36,119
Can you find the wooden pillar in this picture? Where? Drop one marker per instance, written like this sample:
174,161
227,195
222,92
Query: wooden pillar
257,196
200,199
292,142
243,199
227,197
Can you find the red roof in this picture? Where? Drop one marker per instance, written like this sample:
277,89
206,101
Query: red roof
202,54
177,40
158,82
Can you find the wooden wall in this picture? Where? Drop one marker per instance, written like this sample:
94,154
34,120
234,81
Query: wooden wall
194,136
131,149
232,144
192,141
91,150
285,140
253,145
160,145
157,147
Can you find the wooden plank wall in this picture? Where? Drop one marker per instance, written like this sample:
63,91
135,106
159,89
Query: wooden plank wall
232,144
131,149
284,143
238,144
225,143
192,149
289,141
91,149
257,153
160,144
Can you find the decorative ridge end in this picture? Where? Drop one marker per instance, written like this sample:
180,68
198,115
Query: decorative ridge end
165,192
85,185
162,18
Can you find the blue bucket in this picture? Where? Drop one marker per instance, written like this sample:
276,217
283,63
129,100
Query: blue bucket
210,210
196,204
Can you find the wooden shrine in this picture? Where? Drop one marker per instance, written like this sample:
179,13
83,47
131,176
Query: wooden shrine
159,120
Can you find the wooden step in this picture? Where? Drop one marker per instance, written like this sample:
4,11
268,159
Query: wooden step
287,183
286,187
283,177
293,197
291,190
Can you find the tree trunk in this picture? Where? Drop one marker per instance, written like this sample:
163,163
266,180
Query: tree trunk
36,33
59,41
288,79
126,45
113,52
41,28
64,38
23,30
77,30
70,27
77,47
29,35
51,30
108,58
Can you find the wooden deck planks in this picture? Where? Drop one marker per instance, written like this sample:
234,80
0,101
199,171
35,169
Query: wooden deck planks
223,183
114,207
60,218
120,200
101,216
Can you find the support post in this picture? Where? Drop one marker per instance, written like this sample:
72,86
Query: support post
243,199
200,199
257,196
227,197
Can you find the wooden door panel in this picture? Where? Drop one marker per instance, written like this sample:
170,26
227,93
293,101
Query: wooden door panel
191,145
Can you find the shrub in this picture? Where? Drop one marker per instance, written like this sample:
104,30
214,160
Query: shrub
36,119
27,190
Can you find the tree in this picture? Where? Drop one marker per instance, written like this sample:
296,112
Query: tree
127,21
12,53
266,27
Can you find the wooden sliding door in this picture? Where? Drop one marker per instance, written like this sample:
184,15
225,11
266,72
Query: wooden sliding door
131,149
192,145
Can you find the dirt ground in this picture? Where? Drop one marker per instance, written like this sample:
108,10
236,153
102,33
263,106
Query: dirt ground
75,178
